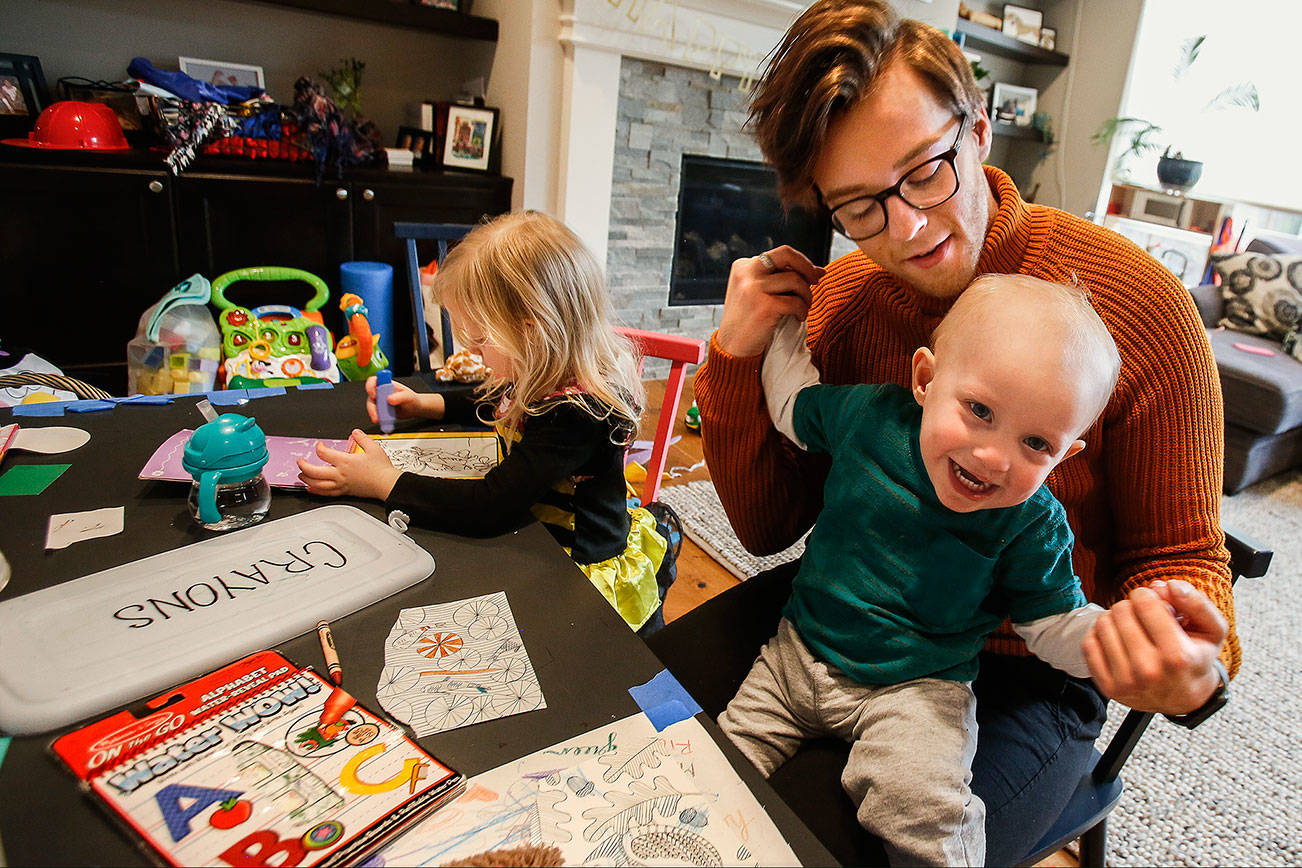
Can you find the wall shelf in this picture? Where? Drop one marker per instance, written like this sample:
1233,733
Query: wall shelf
1015,132
403,13
978,37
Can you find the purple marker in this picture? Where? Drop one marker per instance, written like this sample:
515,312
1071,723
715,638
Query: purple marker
383,409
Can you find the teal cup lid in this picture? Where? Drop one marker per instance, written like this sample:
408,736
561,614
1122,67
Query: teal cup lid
232,444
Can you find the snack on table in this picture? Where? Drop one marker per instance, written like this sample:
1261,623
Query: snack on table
463,366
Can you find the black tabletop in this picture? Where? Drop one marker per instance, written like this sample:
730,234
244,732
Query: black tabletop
585,657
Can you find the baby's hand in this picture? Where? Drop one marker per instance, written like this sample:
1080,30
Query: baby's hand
368,473
406,403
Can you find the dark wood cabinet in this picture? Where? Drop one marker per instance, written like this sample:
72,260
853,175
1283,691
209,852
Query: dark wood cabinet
83,252
84,249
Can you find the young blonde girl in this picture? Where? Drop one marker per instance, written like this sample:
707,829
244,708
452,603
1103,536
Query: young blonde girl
526,294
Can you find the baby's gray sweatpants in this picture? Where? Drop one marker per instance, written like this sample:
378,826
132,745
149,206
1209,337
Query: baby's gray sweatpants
910,763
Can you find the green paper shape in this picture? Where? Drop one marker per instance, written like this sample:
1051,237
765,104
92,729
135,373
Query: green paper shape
30,478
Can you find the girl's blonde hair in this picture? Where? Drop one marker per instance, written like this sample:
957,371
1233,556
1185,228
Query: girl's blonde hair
526,283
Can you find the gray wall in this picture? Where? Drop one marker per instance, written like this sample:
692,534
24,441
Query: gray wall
97,38
664,112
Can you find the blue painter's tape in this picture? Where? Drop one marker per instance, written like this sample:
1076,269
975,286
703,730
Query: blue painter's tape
145,399
228,397
265,391
49,408
89,406
663,700
324,384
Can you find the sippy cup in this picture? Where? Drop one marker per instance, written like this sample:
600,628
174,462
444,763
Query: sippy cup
225,457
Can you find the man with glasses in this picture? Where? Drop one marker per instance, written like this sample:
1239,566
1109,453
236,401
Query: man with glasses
879,120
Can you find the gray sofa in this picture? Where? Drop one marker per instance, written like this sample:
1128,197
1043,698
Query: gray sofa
1263,393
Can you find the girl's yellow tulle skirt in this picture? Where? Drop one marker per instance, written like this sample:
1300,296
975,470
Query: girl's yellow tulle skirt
628,580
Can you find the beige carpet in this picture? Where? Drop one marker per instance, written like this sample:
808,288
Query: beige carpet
1227,793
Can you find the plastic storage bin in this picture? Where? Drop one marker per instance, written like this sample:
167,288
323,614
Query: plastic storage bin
177,348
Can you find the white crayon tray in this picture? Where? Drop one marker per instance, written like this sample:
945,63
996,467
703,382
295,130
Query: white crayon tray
85,646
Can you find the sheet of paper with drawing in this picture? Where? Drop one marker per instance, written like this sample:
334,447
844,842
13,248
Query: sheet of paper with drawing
620,794
258,763
455,664
447,454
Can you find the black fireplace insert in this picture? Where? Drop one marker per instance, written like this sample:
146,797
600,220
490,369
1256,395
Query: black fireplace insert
728,209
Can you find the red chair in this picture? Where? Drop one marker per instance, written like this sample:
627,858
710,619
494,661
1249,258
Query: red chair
680,352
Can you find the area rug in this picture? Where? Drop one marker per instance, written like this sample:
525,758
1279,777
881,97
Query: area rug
1227,793
704,522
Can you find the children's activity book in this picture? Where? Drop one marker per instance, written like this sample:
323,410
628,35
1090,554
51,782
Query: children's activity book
258,763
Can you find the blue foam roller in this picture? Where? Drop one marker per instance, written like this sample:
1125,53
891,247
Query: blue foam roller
373,282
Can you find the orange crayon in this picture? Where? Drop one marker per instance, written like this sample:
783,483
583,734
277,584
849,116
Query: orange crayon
333,668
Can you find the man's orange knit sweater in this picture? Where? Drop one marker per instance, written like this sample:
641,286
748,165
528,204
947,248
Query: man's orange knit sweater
1143,497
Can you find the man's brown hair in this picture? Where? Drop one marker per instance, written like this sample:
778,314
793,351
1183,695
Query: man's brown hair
830,59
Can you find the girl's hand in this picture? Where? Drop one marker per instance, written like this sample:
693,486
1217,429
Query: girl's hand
406,403
368,473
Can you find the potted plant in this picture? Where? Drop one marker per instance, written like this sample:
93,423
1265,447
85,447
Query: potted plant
1174,170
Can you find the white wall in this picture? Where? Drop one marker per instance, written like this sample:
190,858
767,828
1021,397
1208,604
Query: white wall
1100,40
526,83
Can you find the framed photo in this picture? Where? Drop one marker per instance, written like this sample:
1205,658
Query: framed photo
470,137
1022,23
23,94
221,72
1048,38
416,140
1012,104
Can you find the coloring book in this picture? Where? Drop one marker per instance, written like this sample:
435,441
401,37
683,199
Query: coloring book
448,454
258,763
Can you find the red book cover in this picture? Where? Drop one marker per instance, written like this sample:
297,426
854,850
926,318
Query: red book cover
259,763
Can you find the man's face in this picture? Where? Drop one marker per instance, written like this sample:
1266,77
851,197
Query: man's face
873,144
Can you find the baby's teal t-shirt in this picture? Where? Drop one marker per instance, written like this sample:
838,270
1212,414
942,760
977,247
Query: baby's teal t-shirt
894,585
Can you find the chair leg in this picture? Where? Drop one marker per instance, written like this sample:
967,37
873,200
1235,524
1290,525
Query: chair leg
1094,845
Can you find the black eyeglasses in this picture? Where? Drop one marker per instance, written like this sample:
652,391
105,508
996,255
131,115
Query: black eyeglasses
924,186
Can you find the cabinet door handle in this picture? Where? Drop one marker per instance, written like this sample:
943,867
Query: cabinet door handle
341,193
155,186
368,194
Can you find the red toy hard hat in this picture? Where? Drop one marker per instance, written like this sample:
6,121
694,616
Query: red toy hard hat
75,126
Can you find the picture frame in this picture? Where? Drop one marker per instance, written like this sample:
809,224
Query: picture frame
419,142
1022,24
1048,38
471,138
1012,104
223,72
23,93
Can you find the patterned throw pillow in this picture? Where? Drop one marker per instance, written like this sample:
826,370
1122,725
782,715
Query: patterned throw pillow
1263,292
1293,344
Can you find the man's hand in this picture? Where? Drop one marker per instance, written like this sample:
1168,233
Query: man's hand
1153,651
761,289
368,473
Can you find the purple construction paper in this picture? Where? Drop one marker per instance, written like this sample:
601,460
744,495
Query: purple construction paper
281,470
